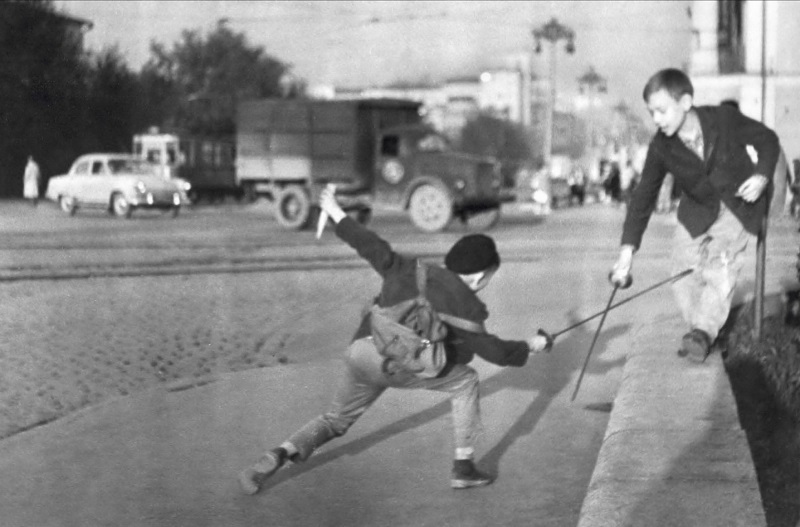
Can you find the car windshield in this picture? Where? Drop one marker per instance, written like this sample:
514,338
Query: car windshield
130,166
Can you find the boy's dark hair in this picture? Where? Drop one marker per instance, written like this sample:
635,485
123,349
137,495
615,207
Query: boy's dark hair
675,81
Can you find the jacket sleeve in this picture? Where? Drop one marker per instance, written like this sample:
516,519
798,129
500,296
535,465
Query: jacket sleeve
490,348
644,198
371,247
748,131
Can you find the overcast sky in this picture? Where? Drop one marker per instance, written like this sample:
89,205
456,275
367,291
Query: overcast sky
359,44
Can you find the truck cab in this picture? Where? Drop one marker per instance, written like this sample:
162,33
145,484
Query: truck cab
417,170
377,152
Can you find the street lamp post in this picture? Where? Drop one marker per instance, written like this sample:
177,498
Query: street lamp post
591,84
552,32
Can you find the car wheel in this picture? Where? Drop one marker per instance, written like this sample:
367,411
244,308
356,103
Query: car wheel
120,206
293,207
430,208
68,204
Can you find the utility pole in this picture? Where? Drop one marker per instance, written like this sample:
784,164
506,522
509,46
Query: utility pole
591,84
552,32
761,240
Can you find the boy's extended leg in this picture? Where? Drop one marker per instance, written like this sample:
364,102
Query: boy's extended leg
360,386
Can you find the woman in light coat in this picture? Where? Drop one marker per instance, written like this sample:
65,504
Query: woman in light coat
32,179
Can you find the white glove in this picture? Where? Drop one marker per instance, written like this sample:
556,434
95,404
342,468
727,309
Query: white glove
620,275
541,342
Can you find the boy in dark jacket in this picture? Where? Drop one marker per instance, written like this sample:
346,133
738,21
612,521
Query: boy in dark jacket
470,265
722,162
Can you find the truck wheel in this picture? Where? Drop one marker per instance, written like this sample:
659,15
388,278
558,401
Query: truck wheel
363,216
483,220
293,207
430,208
249,194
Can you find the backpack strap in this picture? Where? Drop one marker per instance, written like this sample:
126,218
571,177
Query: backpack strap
462,323
422,278
452,320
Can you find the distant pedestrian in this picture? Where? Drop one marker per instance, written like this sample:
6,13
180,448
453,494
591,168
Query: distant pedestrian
722,163
469,267
577,185
32,181
629,179
611,181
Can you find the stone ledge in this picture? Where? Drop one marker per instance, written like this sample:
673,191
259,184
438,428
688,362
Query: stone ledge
674,453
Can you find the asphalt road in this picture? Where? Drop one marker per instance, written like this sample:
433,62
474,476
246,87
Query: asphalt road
97,309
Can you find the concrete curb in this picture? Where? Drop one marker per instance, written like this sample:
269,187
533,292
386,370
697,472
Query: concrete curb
674,453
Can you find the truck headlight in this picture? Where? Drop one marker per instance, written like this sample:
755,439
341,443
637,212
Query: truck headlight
140,187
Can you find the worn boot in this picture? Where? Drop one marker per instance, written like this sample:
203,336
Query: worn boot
251,478
696,346
465,475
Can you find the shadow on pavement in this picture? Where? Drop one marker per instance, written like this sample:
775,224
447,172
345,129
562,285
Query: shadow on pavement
548,375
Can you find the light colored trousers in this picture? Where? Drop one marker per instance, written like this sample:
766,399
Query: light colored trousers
364,382
717,256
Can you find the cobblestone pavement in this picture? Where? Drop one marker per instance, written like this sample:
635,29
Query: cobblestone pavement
71,343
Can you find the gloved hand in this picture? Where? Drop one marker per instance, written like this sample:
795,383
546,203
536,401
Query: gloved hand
620,275
541,342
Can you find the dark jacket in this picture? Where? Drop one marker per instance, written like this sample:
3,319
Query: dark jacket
706,183
445,290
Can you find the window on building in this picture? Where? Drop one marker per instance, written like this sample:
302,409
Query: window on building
729,43
208,153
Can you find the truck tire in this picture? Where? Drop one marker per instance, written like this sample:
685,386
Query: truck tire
430,208
363,216
483,220
293,207
249,194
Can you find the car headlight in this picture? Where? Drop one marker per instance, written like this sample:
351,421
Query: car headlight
186,186
540,196
140,187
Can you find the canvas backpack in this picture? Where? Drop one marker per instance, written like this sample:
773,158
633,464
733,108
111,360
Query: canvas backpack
410,334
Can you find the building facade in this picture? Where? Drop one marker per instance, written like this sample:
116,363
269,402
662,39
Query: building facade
743,51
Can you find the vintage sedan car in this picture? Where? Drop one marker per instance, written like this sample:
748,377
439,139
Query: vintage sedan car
118,183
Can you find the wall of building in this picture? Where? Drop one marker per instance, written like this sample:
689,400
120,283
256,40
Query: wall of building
773,98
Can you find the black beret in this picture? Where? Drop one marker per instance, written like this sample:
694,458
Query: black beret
472,254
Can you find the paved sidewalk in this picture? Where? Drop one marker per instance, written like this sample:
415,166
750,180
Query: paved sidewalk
170,458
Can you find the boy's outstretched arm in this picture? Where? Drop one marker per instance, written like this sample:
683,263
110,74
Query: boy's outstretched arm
369,245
